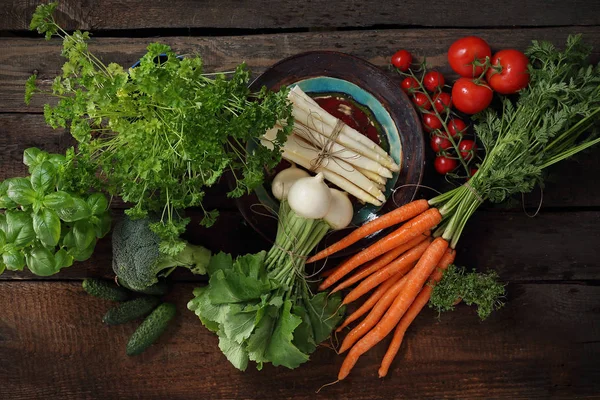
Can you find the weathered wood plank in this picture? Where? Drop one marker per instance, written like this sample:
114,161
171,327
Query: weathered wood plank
552,246
273,14
542,344
22,57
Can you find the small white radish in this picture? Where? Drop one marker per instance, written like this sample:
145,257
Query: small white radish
310,197
284,180
341,211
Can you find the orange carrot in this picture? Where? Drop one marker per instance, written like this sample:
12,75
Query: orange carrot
414,310
373,299
381,262
406,232
402,264
414,282
397,216
374,316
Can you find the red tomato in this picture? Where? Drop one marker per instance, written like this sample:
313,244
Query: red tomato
433,81
471,97
443,165
439,143
431,122
456,126
508,73
409,84
464,52
467,148
473,171
402,60
421,100
442,102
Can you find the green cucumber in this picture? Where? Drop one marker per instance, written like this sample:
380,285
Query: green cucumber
158,289
130,310
105,289
151,328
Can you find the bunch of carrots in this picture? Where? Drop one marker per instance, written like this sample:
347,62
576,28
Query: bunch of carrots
398,267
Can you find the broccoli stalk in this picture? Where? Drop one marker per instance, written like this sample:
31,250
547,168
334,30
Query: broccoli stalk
137,260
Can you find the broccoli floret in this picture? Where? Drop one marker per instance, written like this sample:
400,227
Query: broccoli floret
137,260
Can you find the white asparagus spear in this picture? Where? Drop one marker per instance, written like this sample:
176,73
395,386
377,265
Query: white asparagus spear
303,100
339,151
380,180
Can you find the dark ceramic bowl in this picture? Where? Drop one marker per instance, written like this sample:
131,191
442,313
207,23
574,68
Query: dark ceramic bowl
326,72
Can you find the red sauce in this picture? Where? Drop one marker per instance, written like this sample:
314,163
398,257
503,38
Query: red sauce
352,116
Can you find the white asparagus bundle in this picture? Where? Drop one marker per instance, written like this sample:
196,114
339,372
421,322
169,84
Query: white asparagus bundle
372,175
338,151
304,157
349,137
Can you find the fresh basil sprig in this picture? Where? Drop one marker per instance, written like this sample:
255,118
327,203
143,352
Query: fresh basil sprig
43,226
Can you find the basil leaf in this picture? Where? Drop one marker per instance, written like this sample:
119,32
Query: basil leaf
30,156
102,225
46,225
14,260
43,177
62,259
41,261
84,234
57,160
6,202
3,226
79,210
20,191
98,203
83,254
69,240
2,239
3,187
2,266
58,200
19,228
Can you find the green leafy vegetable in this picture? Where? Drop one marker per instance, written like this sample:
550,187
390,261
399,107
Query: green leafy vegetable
42,225
481,289
260,304
159,134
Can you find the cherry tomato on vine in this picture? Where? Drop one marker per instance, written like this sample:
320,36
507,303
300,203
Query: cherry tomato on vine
402,60
463,53
433,81
508,73
471,97
409,84
442,102
444,165
467,149
431,122
421,101
456,126
439,143
473,171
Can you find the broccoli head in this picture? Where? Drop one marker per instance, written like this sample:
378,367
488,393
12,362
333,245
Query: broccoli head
137,260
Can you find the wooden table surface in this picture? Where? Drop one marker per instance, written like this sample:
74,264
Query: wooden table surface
544,343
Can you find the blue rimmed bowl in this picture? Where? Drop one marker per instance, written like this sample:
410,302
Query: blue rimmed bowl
326,72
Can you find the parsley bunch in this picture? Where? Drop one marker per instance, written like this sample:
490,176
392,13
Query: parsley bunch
157,135
553,119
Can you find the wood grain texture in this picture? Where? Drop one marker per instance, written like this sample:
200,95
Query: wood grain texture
544,343
273,14
550,247
22,57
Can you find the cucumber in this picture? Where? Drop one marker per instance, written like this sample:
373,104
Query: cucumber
105,289
151,328
158,289
130,310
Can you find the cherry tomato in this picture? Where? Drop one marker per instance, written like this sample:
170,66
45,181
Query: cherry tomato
463,53
421,100
456,126
442,102
471,97
439,143
508,73
409,84
473,171
431,122
402,60
467,148
433,81
443,164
